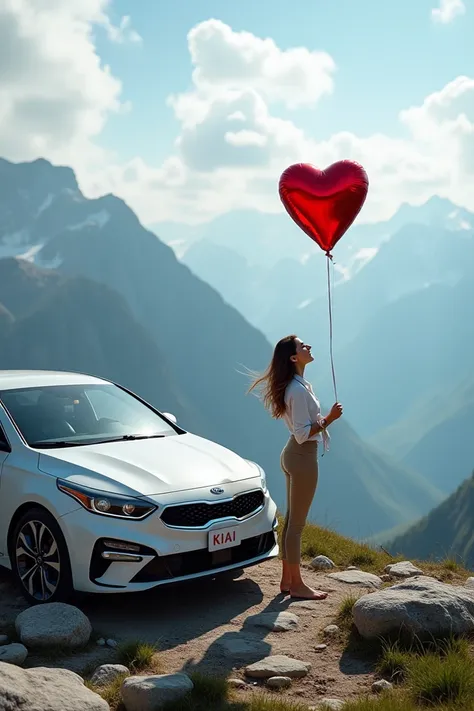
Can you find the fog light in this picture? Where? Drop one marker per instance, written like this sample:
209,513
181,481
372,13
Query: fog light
121,557
122,546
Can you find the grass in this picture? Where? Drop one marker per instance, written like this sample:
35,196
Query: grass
111,692
137,656
344,618
440,679
342,551
393,663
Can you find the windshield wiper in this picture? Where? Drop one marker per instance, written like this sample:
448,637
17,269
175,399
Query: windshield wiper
58,445
131,437
121,438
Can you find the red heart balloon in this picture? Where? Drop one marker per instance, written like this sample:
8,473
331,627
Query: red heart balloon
324,203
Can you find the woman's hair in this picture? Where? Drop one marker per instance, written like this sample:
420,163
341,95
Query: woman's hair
273,383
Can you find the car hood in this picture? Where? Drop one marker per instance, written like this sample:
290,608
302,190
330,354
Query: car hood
148,467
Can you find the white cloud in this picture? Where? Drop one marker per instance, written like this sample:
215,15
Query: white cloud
232,148
294,76
123,32
448,10
55,94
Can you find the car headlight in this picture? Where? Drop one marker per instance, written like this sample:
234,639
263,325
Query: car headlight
106,504
263,476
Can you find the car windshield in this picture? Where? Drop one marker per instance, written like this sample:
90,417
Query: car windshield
73,415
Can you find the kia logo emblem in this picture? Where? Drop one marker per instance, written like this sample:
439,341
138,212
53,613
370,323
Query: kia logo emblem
217,490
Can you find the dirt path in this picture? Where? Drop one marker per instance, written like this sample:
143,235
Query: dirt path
204,627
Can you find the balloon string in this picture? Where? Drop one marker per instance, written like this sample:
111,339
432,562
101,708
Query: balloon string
330,259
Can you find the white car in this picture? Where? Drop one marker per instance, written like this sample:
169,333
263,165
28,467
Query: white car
101,493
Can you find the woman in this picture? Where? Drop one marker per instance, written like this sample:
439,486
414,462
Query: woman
289,396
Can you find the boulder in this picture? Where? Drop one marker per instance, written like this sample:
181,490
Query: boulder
279,682
107,673
278,665
404,569
149,693
275,621
357,577
322,562
419,605
51,689
13,654
53,624
381,685
331,631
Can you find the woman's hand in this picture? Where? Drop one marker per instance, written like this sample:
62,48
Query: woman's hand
336,412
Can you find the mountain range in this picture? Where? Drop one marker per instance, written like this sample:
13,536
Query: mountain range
84,286
447,532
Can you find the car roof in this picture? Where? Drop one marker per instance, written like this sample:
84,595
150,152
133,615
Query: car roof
16,379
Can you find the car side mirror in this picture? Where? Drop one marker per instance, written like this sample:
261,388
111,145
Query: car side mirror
171,417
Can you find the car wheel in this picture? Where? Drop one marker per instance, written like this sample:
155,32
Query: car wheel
40,559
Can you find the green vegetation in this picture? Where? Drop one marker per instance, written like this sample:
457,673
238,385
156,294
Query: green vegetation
137,655
344,616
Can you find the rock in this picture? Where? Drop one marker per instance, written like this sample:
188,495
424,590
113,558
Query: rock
236,645
381,685
53,624
275,621
329,705
331,630
470,583
112,643
404,569
322,562
357,577
278,665
352,567
107,673
101,642
148,693
320,647
3,639
41,688
237,684
279,682
419,605
13,654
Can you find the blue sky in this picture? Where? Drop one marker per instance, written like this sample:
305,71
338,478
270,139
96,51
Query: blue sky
81,92
389,56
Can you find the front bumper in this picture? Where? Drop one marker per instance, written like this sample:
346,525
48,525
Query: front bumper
159,554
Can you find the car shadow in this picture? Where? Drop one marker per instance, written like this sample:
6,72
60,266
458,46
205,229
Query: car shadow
170,616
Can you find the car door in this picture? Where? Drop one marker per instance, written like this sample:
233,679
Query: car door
4,515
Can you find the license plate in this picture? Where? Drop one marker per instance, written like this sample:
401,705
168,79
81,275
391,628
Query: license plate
224,538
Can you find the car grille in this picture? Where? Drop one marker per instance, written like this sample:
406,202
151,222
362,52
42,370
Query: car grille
199,515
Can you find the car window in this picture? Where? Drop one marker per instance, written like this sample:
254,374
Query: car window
4,445
81,414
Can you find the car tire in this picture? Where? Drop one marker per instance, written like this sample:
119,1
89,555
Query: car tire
40,559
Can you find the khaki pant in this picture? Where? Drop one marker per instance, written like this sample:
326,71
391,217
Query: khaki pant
300,465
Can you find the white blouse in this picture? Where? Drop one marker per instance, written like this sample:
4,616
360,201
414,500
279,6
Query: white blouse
302,411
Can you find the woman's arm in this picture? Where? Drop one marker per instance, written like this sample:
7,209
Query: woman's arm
324,422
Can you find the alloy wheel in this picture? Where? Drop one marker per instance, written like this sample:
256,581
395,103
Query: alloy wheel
38,560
